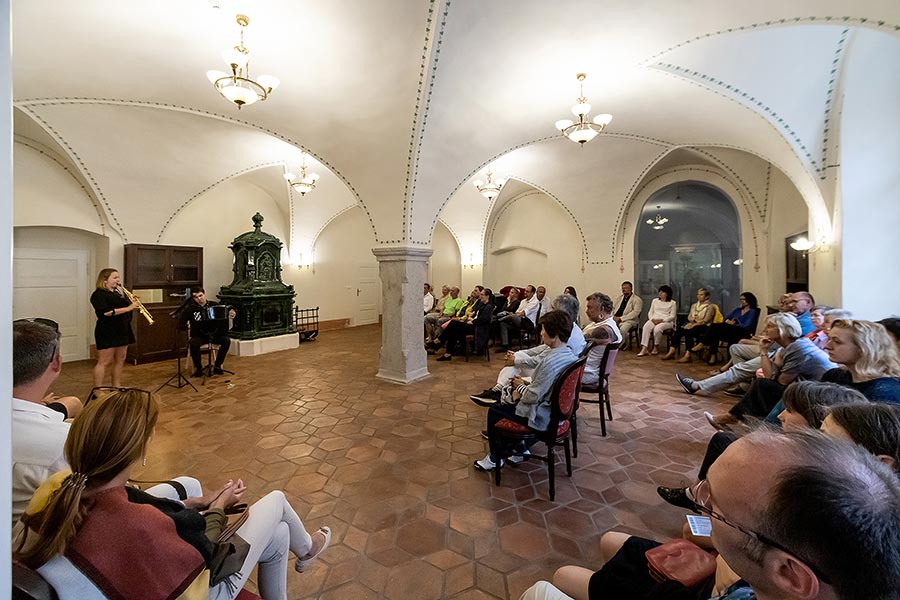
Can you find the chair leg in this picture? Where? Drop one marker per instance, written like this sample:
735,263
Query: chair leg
568,457
608,405
602,416
575,435
551,466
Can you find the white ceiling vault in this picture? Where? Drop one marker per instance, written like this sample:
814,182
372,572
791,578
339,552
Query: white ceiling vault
403,102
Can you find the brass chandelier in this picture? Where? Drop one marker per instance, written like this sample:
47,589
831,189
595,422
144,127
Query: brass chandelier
583,130
490,189
239,87
305,182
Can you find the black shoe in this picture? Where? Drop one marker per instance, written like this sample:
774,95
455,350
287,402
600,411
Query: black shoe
444,357
197,373
736,391
488,397
676,497
686,382
218,371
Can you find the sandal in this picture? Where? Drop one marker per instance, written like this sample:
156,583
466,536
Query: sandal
303,563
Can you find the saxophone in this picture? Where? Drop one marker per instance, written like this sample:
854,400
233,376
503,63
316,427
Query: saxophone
132,298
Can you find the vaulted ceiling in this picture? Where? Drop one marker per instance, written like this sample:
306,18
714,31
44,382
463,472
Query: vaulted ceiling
403,102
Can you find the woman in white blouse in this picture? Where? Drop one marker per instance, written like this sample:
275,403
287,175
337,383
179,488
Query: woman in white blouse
660,320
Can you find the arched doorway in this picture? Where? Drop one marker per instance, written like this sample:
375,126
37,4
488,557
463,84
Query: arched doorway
698,246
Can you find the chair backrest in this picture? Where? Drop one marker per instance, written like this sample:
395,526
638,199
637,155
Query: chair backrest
564,394
27,584
588,346
609,360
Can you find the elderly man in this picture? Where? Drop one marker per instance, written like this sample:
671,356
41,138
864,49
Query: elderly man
427,299
522,363
745,358
628,309
525,317
771,544
432,316
602,330
545,302
451,305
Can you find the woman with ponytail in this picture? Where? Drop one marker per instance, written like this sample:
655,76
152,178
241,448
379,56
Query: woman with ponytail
92,537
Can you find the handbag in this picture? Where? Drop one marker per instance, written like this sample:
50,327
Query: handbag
681,561
231,550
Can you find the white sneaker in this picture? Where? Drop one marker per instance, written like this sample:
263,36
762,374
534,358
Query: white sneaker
486,464
514,460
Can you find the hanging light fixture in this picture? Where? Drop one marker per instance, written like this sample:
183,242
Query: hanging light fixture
583,130
490,189
306,181
238,87
659,222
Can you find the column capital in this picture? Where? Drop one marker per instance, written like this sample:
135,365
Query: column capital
396,253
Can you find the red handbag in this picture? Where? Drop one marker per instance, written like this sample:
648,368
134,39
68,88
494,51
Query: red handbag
681,561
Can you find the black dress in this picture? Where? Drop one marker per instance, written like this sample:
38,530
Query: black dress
115,331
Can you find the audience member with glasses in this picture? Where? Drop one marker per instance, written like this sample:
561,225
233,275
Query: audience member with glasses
92,537
822,521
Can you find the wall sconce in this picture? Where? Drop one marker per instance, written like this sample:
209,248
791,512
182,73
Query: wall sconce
471,264
805,246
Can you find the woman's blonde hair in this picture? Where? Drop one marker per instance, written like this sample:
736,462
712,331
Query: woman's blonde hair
109,435
103,276
878,354
787,324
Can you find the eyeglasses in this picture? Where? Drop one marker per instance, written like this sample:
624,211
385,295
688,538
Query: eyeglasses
701,496
102,390
40,321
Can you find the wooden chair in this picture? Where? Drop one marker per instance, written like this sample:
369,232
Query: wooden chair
470,339
506,434
607,363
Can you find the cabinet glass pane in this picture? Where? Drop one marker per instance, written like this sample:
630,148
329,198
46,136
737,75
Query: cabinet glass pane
186,265
151,264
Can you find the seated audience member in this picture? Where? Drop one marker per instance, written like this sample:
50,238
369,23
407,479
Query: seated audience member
806,403
800,303
90,536
869,359
428,299
798,359
524,318
530,401
766,534
700,317
451,305
571,292
892,324
873,425
601,330
739,324
476,323
660,319
38,431
432,316
522,363
504,305
541,294
628,311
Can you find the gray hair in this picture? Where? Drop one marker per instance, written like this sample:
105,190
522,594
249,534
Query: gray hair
567,304
787,324
34,347
837,313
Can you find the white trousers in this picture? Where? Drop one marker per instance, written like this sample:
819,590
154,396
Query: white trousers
272,529
507,373
656,330
544,590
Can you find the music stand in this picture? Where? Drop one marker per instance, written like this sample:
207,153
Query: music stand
178,377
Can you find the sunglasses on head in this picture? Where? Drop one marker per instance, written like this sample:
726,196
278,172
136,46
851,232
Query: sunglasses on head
104,390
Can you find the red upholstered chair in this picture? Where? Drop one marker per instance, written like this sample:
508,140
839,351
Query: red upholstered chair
607,363
506,434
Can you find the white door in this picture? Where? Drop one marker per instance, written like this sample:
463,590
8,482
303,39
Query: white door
54,284
366,295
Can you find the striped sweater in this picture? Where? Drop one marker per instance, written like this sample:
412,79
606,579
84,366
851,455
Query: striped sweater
535,402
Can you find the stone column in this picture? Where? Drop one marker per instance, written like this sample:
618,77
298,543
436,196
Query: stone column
402,270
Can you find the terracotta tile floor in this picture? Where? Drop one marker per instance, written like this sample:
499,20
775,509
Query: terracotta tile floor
389,467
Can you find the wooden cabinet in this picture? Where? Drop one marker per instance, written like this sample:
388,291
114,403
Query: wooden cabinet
159,276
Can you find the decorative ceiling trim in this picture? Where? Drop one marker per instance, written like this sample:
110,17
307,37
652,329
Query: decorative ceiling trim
762,211
742,96
431,54
455,237
25,103
47,152
82,168
328,221
703,174
833,84
495,217
552,138
196,195
790,21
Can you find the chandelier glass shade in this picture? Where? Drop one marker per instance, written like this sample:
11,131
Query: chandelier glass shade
659,222
490,189
305,182
583,130
238,87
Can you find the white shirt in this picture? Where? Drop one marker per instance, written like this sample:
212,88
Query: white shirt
545,307
592,366
428,302
38,437
530,308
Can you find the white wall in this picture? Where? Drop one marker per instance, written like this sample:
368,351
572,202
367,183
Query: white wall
444,265
869,211
6,225
215,218
344,245
533,241
788,216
